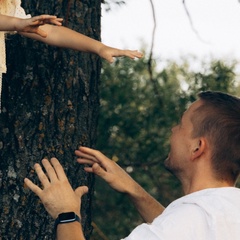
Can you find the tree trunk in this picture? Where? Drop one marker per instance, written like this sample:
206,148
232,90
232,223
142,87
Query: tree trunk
50,107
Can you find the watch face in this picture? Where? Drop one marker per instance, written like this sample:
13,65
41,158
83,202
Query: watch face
67,217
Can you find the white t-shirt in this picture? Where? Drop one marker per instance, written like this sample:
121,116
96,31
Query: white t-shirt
210,214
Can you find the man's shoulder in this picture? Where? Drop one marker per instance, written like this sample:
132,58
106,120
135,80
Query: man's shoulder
205,204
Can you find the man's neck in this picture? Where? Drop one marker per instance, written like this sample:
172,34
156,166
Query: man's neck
201,185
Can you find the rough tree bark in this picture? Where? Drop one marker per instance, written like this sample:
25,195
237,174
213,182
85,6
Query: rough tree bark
50,107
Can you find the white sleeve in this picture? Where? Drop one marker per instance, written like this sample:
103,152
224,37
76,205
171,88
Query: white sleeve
13,9
16,10
187,221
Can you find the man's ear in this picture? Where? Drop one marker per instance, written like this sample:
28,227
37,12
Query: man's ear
199,148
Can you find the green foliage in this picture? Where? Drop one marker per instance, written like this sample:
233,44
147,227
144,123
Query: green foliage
135,122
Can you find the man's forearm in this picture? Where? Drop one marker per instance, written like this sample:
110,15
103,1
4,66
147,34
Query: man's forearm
147,206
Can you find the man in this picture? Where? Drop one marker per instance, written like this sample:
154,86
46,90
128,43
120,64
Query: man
204,155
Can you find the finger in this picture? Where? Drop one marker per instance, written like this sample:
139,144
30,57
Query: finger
33,187
136,53
101,158
80,191
129,53
38,21
52,21
43,17
41,175
57,21
90,153
88,169
139,54
110,59
41,33
59,169
85,161
81,154
98,170
50,170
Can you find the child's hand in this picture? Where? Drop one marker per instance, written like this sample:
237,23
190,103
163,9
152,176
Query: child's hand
31,25
109,53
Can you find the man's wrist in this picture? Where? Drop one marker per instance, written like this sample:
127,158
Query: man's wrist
66,217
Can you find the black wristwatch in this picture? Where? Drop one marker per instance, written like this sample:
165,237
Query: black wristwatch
66,217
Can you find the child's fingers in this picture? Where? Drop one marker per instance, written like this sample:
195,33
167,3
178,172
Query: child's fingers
41,33
43,19
57,21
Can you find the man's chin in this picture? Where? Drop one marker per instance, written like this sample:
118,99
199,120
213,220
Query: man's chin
167,161
168,166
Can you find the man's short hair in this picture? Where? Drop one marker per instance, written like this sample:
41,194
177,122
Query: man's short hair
218,119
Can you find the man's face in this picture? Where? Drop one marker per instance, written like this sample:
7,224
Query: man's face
181,143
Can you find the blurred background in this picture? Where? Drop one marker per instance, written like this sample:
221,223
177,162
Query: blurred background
200,27
189,46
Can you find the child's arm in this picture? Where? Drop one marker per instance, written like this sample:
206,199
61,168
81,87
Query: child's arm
66,38
56,35
29,25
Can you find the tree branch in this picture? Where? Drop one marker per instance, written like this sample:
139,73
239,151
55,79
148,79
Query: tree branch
150,60
191,23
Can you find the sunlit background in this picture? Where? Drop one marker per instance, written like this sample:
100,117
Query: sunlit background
214,30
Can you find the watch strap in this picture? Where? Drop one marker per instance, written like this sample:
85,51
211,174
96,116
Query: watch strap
66,217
